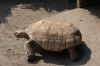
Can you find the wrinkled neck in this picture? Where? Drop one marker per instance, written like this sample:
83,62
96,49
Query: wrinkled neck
26,36
23,35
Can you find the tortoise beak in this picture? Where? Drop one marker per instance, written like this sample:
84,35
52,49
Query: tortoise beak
16,34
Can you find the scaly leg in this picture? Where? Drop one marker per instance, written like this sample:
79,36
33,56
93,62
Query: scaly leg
73,54
29,47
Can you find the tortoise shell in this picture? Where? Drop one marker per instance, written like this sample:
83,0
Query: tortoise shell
54,36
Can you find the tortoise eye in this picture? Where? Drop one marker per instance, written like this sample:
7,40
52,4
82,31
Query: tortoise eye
15,33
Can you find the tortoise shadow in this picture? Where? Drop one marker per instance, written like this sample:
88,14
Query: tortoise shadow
62,58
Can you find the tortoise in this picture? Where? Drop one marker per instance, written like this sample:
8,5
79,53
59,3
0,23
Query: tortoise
51,36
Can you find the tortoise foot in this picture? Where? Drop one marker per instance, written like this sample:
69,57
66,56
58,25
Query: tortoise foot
31,58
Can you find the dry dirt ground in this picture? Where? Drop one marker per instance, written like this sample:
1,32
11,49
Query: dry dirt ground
14,17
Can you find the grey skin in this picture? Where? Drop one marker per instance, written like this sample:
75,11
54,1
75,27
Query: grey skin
30,45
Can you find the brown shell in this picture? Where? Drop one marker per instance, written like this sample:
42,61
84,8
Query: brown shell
54,36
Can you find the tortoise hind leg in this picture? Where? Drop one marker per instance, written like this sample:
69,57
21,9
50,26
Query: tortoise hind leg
29,48
73,54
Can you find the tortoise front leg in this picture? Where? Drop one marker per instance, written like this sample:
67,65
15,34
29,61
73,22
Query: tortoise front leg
29,48
73,54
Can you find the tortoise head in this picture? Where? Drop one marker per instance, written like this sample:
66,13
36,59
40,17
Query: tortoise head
21,34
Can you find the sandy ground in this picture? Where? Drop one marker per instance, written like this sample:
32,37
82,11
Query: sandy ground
13,18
